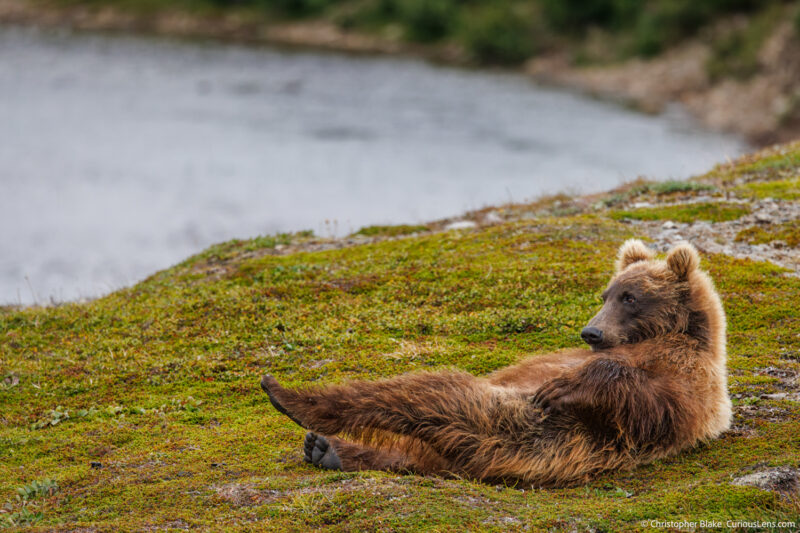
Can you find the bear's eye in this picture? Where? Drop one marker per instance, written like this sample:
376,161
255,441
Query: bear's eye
628,298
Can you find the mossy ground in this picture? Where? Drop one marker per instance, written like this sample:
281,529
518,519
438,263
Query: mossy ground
144,406
788,232
712,212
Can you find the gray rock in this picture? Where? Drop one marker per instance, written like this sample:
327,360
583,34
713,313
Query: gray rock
783,479
764,218
492,217
460,224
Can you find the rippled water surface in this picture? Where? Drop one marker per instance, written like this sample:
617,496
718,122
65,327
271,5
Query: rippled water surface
120,156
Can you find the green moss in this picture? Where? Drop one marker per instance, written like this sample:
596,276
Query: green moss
160,422
678,186
788,232
787,189
771,166
390,231
712,212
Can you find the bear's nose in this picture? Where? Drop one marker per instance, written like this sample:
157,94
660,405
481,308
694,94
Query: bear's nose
592,335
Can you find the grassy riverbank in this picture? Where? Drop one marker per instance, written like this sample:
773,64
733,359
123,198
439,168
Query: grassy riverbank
142,410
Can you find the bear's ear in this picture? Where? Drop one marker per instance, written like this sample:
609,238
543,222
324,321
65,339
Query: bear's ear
683,260
631,252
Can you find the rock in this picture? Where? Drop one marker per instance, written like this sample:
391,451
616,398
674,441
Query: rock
775,396
460,224
492,217
783,480
638,205
764,218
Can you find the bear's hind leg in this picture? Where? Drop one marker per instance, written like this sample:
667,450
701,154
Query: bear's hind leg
319,452
333,453
472,427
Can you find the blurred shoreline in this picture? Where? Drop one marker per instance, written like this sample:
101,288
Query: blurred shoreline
761,108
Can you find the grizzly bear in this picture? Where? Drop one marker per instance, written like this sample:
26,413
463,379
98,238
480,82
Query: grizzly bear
652,383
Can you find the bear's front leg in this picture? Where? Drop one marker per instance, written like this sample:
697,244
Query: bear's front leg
610,395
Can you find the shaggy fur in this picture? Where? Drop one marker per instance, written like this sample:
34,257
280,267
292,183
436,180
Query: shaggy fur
653,383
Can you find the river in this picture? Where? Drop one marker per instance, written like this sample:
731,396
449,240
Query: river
120,156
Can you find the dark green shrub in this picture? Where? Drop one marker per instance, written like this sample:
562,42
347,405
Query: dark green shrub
797,21
661,23
572,15
498,35
426,20
650,35
299,8
291,8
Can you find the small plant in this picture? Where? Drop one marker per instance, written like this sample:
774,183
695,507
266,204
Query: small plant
52,418
10,381
186,404
23,517
25,496
86,413
37,489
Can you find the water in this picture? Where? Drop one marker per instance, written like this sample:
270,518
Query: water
120,156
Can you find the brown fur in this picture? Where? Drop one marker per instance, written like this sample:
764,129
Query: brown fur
655,385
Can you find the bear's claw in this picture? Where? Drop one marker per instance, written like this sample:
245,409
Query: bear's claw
269,384
319,452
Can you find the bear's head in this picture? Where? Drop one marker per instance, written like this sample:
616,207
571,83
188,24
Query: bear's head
646,298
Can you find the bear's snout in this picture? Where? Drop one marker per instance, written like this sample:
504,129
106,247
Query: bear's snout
591,335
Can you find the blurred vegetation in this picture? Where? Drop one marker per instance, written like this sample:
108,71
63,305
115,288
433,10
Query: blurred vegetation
511,31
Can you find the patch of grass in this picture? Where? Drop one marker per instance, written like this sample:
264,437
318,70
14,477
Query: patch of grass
234,247
643,189
788,232
782,159
678,186
391,231
711,212
788,189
